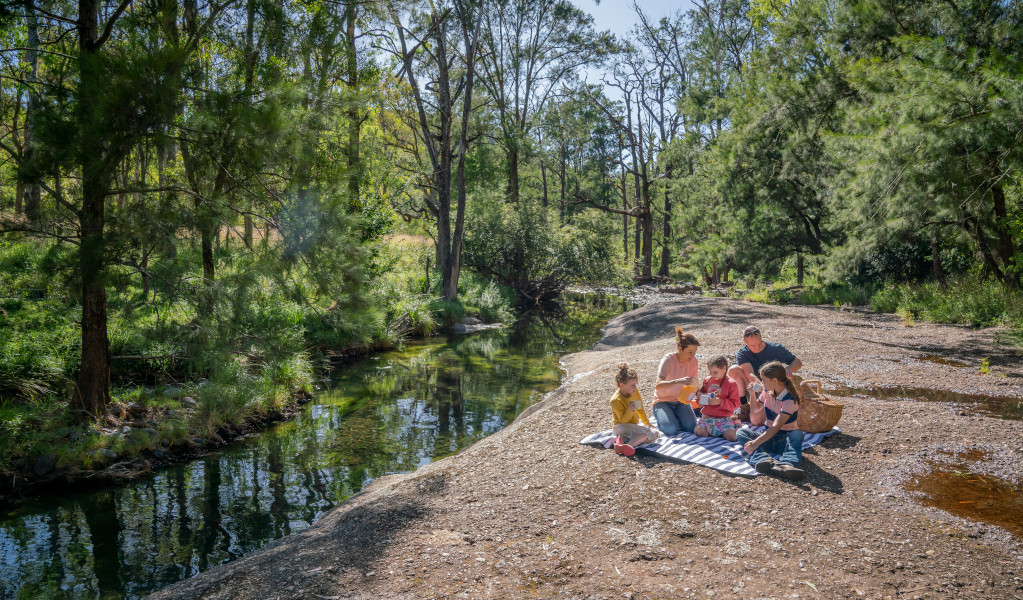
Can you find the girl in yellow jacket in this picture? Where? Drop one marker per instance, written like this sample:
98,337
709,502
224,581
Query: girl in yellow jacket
627,411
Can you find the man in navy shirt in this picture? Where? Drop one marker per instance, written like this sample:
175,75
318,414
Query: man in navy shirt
756,353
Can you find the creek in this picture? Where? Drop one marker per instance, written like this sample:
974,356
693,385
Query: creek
389,413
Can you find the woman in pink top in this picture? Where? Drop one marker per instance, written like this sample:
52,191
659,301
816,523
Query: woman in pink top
676,382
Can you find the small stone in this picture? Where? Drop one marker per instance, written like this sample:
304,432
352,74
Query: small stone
20,463
159,454
106,455
188,402
44,465
165,443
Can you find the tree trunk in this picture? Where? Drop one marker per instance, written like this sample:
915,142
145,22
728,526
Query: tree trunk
250,75
33,198
19,197
625,218
561,212
648,234
543,178
1006,246
451,290
513,173
442,170
799,268
635,243
665,246
354,116
936,270
93,391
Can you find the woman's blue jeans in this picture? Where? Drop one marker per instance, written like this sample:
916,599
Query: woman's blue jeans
789,444
673,417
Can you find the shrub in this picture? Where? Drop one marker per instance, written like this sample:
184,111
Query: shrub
524,248
976,302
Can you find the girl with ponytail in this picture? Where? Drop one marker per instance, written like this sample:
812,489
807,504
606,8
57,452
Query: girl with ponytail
777,406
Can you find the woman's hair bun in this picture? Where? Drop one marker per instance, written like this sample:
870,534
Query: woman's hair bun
623,366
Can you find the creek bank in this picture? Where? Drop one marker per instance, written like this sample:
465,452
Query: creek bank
528,512
150,449
42,475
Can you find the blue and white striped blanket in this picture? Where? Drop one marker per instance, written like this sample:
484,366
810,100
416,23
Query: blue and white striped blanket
716,453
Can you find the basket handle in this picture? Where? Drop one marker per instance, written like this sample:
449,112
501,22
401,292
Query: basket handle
807,383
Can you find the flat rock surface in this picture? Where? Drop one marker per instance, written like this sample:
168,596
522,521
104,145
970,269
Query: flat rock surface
529,513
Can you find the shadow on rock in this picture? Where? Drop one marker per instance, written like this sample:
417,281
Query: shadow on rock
650,323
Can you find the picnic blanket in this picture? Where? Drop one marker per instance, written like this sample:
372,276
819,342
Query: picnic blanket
714,452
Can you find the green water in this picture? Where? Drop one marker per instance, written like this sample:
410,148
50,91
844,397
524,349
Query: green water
390,413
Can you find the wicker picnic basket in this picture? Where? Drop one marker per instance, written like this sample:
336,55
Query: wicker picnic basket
817,413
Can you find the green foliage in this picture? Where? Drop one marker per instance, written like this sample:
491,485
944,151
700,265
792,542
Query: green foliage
524,247
836,294
965,301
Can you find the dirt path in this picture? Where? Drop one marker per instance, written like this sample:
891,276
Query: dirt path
529,513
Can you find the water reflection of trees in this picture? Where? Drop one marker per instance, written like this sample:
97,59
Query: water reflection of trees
383,416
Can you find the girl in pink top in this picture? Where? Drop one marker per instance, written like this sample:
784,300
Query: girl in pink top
676,383
716,417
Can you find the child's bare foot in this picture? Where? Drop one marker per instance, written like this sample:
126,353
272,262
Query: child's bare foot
700,431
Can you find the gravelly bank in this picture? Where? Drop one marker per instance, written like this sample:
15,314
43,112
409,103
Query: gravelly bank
529,513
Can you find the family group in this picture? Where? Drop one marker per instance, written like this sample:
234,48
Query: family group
715,408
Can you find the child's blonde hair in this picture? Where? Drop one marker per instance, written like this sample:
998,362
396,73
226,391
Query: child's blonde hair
625,374
718,360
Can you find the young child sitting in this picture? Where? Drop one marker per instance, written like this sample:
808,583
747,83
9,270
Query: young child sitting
627,411
716,418
778,406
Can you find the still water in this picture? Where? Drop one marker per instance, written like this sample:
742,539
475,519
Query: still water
386,414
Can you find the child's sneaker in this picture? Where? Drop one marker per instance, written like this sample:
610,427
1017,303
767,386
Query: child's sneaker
624,449
789,472
766,466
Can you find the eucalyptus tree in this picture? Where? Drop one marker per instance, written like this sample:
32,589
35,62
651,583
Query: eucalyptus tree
436,46
532,48
633,77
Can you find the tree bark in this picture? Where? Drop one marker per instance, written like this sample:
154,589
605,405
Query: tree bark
33,199
666,234
936,270
799,268
354,116
1006,246
543,178
513,173
93,390
250,76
